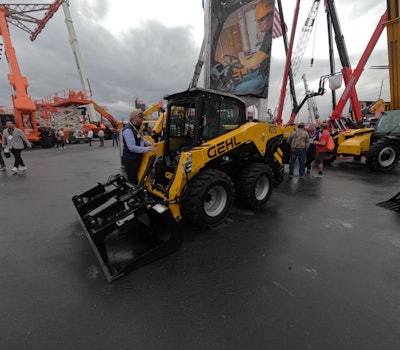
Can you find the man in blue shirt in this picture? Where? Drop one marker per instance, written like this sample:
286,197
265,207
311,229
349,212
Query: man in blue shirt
135,145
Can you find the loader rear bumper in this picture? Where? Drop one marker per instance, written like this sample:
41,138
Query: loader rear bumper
125,226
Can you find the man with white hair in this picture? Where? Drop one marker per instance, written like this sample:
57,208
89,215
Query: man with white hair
135,145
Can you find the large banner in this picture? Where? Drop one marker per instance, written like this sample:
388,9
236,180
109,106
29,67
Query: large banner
239,39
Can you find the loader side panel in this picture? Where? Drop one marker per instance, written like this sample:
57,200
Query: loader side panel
357,145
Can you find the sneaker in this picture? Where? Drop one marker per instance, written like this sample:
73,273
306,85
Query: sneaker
2,168
301,177
22,168
15,170
290,175
318,175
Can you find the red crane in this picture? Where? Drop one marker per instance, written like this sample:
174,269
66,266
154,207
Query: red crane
351,77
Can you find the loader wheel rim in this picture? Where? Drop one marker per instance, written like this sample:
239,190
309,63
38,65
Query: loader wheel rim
262,188
387,156
215,201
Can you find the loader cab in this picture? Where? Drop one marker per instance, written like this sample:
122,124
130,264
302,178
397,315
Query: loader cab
197,116
388,123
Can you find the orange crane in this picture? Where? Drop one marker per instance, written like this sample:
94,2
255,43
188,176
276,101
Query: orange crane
19,15
24,107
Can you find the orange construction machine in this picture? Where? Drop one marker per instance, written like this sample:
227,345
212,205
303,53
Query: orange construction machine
24,107
22,16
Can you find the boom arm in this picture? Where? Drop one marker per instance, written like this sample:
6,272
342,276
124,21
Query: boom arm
352,79
24,107
78,59
116,124
345,61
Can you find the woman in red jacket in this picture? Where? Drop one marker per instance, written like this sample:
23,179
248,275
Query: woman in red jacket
321,150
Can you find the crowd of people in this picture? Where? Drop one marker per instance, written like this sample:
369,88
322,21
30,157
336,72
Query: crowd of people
308,147
13,141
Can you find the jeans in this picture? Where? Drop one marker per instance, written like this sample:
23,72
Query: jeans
299,153
17,157
253,83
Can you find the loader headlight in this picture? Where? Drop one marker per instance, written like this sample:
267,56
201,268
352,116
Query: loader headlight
160,208
188,164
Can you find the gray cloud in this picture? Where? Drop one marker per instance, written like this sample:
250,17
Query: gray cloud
145,62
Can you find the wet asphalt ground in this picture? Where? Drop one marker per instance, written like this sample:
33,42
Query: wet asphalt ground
317,268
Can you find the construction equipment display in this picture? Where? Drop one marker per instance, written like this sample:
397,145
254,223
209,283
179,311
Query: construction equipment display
209,157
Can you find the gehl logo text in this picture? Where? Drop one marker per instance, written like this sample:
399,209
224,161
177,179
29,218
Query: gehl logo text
222,147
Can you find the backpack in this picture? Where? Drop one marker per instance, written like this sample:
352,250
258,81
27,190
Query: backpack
330,144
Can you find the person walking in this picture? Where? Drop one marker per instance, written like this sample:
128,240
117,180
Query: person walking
14,140
299,143
135,145
2,164
101,137
90,137
59,139
321,150
115,136
313,135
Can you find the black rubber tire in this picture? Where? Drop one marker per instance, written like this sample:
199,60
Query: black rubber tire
278,177
329,158
254,185
208,199
383,155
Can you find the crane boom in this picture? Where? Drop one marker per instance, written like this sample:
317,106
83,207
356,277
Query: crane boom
352,78
304,36
299,52
278,119
52,9
78,59
312,105
345,61
24,107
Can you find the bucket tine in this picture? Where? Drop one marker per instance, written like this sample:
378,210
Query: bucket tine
97,195
392,203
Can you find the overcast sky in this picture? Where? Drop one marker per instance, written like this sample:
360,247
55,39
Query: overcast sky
145,49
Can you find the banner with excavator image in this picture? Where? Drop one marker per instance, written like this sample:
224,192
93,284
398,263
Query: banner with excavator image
239,38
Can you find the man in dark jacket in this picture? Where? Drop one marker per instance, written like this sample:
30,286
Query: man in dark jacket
135,145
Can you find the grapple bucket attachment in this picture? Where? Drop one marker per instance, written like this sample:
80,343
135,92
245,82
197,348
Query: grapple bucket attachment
392,203
125,226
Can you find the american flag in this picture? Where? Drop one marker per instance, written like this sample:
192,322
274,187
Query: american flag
277,30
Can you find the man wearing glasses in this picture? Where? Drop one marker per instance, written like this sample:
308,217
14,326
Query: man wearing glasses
135,145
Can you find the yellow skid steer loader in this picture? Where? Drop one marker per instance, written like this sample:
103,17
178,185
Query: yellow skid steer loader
209,157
